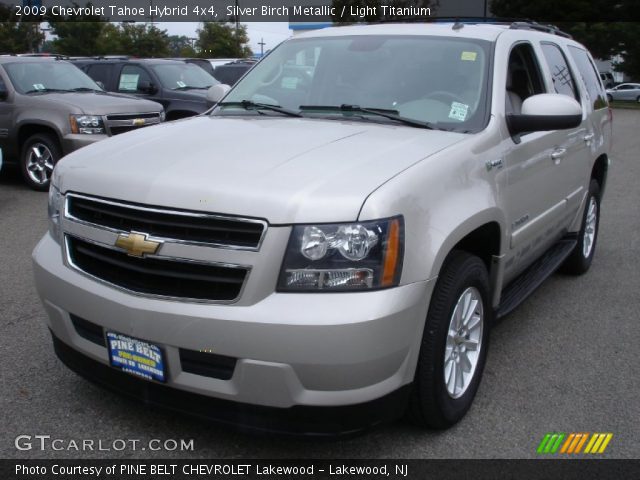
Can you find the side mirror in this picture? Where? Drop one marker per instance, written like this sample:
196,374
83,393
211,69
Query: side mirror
145,86
217,93
546,111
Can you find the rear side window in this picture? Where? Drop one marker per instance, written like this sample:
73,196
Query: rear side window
562,79
589,76
100,73
131,77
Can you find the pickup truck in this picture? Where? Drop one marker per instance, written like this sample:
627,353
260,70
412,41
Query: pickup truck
377,196
49,108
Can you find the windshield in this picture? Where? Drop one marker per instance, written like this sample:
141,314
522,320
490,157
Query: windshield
439,81
50,75
177,76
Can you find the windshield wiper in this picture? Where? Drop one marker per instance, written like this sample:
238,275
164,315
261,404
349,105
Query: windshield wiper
46,90
85,89
190,87
381,112
249,105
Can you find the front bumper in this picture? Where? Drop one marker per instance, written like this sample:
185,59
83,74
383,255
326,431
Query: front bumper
315,350
75,141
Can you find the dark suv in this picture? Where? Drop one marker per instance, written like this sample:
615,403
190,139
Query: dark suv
179,86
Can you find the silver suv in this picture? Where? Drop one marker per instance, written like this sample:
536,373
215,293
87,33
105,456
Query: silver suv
331,244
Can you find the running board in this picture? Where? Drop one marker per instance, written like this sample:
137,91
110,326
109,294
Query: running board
525,284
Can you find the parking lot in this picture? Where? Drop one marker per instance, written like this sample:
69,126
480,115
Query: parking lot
565,361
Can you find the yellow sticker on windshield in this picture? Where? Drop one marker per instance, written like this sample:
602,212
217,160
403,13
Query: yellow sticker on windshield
469,56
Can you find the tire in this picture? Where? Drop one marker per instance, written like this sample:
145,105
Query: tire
39,155
580,259
435,403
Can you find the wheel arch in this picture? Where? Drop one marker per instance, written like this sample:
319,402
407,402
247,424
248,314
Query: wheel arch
600,171
482,235
28,129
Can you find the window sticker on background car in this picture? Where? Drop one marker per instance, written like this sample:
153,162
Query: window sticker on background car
181,84
289,82
38,86
458,111
469,56
128,81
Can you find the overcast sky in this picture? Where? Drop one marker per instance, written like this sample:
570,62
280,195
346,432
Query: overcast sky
272,32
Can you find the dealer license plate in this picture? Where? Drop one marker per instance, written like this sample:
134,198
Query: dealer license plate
136,357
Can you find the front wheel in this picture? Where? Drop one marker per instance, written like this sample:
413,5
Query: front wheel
454,344
39,155
579,261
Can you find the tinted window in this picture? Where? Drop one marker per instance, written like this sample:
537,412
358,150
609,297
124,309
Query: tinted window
562,79
130,78
589,76
183,76
100,73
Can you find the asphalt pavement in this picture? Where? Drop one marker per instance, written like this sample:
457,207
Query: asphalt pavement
565,361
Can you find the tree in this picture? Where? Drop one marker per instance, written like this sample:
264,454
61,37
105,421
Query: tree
78,35
144,40
220,39
630,33
17,36
599,28
180,46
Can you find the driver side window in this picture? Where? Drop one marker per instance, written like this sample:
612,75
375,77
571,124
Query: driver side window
523,77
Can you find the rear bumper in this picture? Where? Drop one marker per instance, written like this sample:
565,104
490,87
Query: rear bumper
296,420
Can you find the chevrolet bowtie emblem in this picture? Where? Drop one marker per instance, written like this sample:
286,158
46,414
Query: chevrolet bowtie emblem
136,244
138,122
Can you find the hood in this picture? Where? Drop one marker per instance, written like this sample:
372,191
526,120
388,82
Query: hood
101,103
285,170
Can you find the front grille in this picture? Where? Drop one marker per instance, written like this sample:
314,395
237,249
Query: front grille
132,116
183,226
157,276
207,364
121,123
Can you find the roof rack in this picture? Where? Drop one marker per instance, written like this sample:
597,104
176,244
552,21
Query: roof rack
530,25
460,22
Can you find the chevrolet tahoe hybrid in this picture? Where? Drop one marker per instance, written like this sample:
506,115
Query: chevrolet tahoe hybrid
49,108
330,245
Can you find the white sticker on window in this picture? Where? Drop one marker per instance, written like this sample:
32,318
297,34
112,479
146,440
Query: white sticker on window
458,111
289,82
181,84
468,56
38,86
129,82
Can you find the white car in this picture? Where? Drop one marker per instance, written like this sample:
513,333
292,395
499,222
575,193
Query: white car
625,91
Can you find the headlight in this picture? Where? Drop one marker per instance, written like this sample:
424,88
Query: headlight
56,201
89,124
343,257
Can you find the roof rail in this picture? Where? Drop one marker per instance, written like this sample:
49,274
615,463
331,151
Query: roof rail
531,25
460,22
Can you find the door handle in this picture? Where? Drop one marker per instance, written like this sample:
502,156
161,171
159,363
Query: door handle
557,155
588,137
